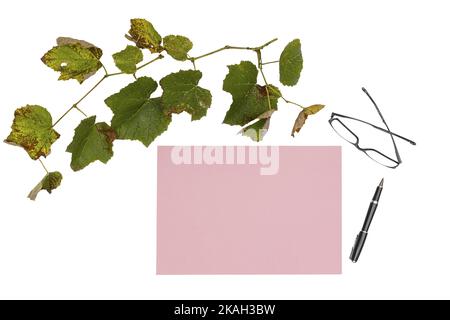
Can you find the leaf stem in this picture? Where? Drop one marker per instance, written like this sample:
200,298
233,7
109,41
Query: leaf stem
75,105
151,61
90,90
228,47
210,53
264,63
266,44
260,67
114,74
60,118
291,102
104,69
43,165
255,49
81,111
192,61
105,76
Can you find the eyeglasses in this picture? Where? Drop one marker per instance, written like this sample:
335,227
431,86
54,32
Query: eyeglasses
337,123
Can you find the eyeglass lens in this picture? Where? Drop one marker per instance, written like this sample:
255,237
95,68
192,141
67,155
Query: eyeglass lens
343,131
381,158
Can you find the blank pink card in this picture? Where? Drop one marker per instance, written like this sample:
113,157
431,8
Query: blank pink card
249,210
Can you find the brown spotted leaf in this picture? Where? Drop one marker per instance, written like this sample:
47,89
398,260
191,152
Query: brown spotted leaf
144,35
74,59
50,182
32,130
303,115
96,51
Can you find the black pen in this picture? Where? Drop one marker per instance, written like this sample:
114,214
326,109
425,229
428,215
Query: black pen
362,235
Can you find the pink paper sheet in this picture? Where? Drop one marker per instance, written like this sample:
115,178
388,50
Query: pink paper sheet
225,218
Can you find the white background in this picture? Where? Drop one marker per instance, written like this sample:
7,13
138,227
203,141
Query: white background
95,236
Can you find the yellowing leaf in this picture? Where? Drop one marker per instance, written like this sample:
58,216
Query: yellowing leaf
50,182
303,115
74,59
313,109
144,35
177,47
127,59
32,130
61,41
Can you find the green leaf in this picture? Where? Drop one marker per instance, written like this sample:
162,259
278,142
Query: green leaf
32,130
74,59
144,35
303,115
127,59
177,47
182,93
92,141
136,116
249,99
241,79
50,182
258,130
291,63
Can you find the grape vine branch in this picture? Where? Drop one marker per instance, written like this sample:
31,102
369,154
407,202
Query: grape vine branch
137,115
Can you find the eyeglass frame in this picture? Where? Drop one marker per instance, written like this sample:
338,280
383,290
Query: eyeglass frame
364,150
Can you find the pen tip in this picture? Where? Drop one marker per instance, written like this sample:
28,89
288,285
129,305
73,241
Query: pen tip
381,182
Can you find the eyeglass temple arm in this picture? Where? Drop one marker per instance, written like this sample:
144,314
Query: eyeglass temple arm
384,121
374,126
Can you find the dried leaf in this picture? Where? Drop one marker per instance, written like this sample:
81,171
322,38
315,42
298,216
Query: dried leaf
303,115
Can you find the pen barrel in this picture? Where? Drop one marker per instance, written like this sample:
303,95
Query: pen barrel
369,216
357,247
372,208
362,235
